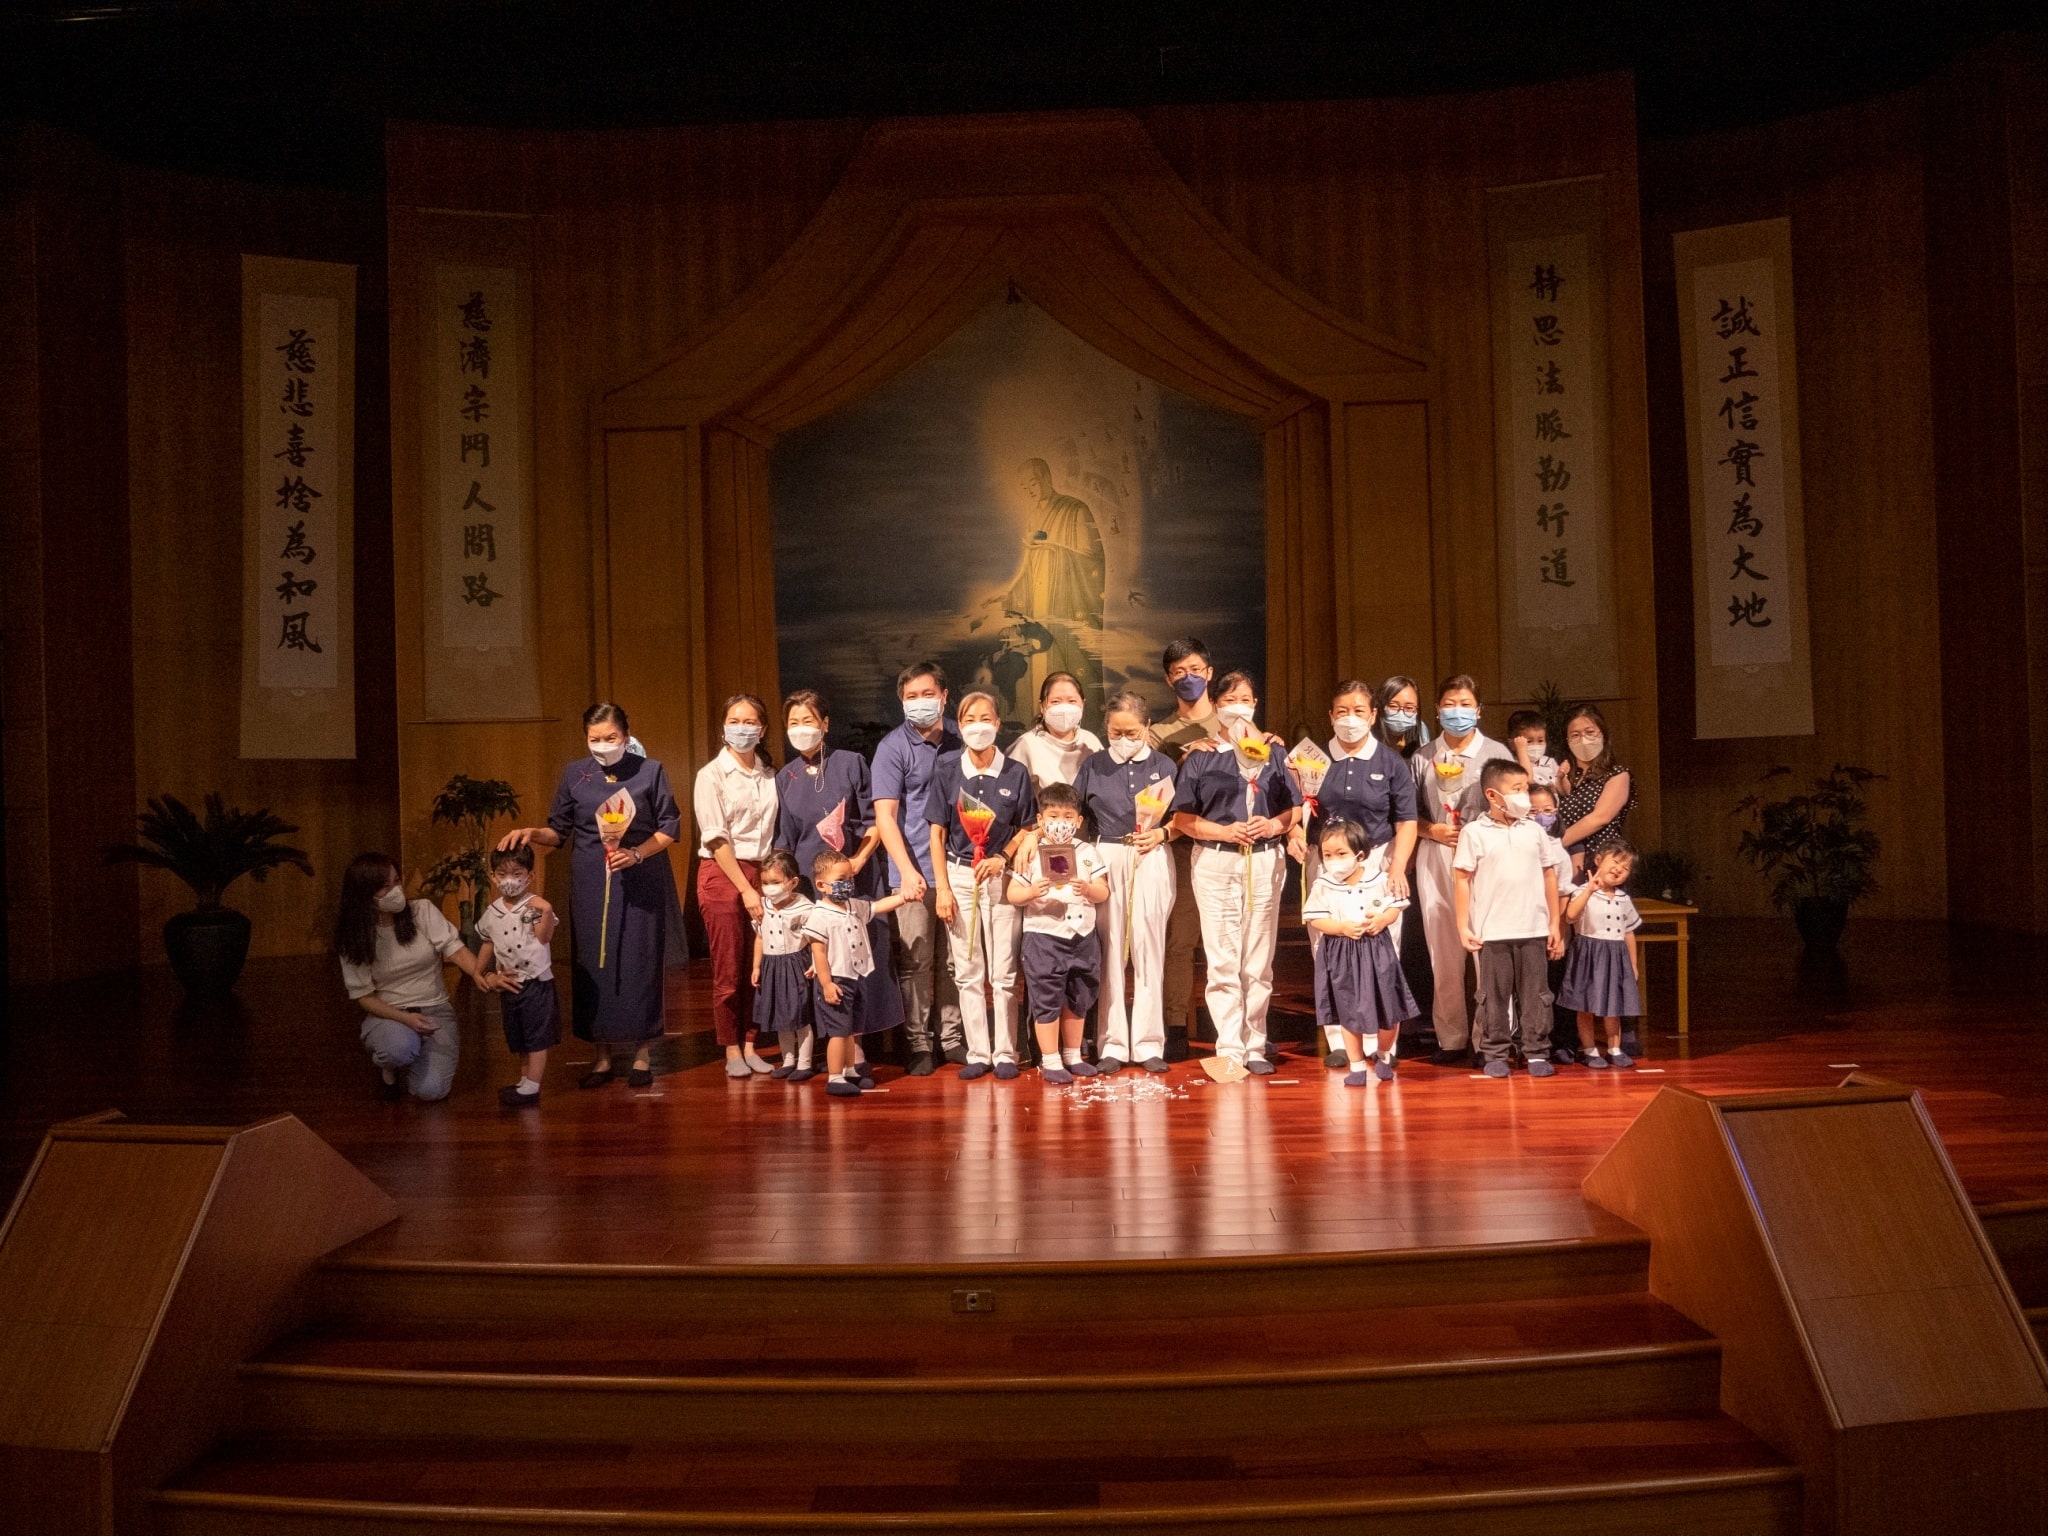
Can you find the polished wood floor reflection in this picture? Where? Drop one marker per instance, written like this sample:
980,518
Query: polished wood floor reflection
702,1170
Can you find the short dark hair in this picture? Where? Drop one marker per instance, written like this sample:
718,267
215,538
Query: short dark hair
1352,833
521,856
1454,682
810,699
1521,720
1127,702
1058,797
1620,845
780,861
1542,789
1499,770
917,669
831,858
1180,649
1230,680
606,713
1352,685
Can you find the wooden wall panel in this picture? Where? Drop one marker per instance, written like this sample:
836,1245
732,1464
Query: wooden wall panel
1852,183
1386,620
184,237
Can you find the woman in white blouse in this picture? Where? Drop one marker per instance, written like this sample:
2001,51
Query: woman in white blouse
392,951
1056,746
735,808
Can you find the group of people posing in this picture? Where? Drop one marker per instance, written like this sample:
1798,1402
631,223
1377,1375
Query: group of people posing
950,882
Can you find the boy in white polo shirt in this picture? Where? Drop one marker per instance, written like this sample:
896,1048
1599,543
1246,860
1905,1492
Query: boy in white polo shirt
1059,887
1506,902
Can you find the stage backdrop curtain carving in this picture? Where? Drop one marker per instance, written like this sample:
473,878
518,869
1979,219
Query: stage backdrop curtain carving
298,448
1752,664
1546,249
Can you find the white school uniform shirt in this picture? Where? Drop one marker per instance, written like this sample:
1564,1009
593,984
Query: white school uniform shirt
1063,911
408,976
782,928
1567,882
514,934
844,931
737,804
1335,901
1607,915
1506,861
1053,762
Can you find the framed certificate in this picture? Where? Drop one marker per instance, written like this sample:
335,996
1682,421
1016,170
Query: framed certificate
1058,862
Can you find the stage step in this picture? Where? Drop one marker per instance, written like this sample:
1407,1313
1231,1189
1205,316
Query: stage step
1694,1474
387,1291
1587,1357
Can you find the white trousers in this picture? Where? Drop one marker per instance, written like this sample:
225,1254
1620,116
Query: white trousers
989,1016
1131,1025
1448,958
1237,941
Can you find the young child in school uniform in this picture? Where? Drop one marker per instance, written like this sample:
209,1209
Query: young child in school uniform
1359,985
782,967
517,928
1600,978
1505,899
1062,951
1529,740
842,958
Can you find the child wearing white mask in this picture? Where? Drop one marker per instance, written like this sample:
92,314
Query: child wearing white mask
1359,986
782,967
1507,911
515,962
1053,750
1058,886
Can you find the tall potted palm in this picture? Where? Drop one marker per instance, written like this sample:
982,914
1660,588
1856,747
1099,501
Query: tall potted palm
208,945
1818,848
470,806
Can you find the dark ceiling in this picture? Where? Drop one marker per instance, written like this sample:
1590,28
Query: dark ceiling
299,92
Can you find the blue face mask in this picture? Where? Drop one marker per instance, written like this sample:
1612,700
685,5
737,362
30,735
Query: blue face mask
840,890
1544,819
1400,721
1190,687
743,738
1458,720
923,713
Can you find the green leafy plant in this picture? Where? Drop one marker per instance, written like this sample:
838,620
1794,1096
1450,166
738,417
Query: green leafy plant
1550,702
1664,876
211,854
470,806
1814,845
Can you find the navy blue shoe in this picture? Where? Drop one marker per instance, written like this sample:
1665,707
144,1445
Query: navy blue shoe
972,1070
1059,1077
1081,1069
1540,1067
1495,1069
1596,1062
840,1088
1258,1066
1005,1070
1155,1064
1109,1066
1621,1058
1383,1070
1357,1079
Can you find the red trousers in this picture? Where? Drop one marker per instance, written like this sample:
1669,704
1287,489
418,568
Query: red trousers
731,933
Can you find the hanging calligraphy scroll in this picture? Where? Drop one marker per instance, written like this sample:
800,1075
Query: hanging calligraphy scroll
1551,412
479,609
298,445
1752,668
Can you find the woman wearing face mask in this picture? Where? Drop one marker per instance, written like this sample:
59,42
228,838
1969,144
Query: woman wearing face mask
392,951
1371,787
1053,750
824,795
1130,1018
735,804
982,930
619,895
1593,812
1400,724
1238,868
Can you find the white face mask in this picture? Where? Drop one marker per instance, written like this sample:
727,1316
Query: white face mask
980,736
743,738
1236,712
1127,749
607,752
923,713
1341,867
1060,831
1586,750
1516,805
805,738
392,901
513,885
1062,718
1351,729
775,893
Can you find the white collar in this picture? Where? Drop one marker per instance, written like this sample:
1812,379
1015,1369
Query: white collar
995,765
1340,753
731,764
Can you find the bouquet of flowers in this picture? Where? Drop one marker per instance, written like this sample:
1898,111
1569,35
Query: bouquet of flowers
613,818
977,820
1152,802
1450,783
1253,752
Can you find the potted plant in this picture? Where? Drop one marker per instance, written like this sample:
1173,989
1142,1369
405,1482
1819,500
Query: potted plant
1818,846
208,945
470,806
1664,876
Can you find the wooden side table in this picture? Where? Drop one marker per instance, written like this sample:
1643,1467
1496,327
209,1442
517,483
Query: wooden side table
1666,922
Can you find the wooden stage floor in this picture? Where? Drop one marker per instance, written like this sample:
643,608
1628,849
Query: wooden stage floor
700,1170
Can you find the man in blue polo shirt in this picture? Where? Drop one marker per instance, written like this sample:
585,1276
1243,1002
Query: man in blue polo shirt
902,779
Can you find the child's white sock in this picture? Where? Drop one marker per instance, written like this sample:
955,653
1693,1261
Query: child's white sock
806,1041
1591,1051
528,1085
1071,1055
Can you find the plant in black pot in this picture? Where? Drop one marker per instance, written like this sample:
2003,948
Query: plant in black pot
1817,848
208,945
470,806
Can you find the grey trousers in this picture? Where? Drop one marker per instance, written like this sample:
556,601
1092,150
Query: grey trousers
924,972
1183,933
1517,969
427,1062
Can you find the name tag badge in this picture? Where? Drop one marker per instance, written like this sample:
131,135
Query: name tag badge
1004,793
1377,777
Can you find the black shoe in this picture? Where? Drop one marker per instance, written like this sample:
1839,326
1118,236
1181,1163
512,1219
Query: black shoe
640,1077
1154,1064
1443,1058
1108,1066
1564,1055
1177,1046
596,1077
1336,1059
509,1097
922,1064
956,1055
392,1091
866,1077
